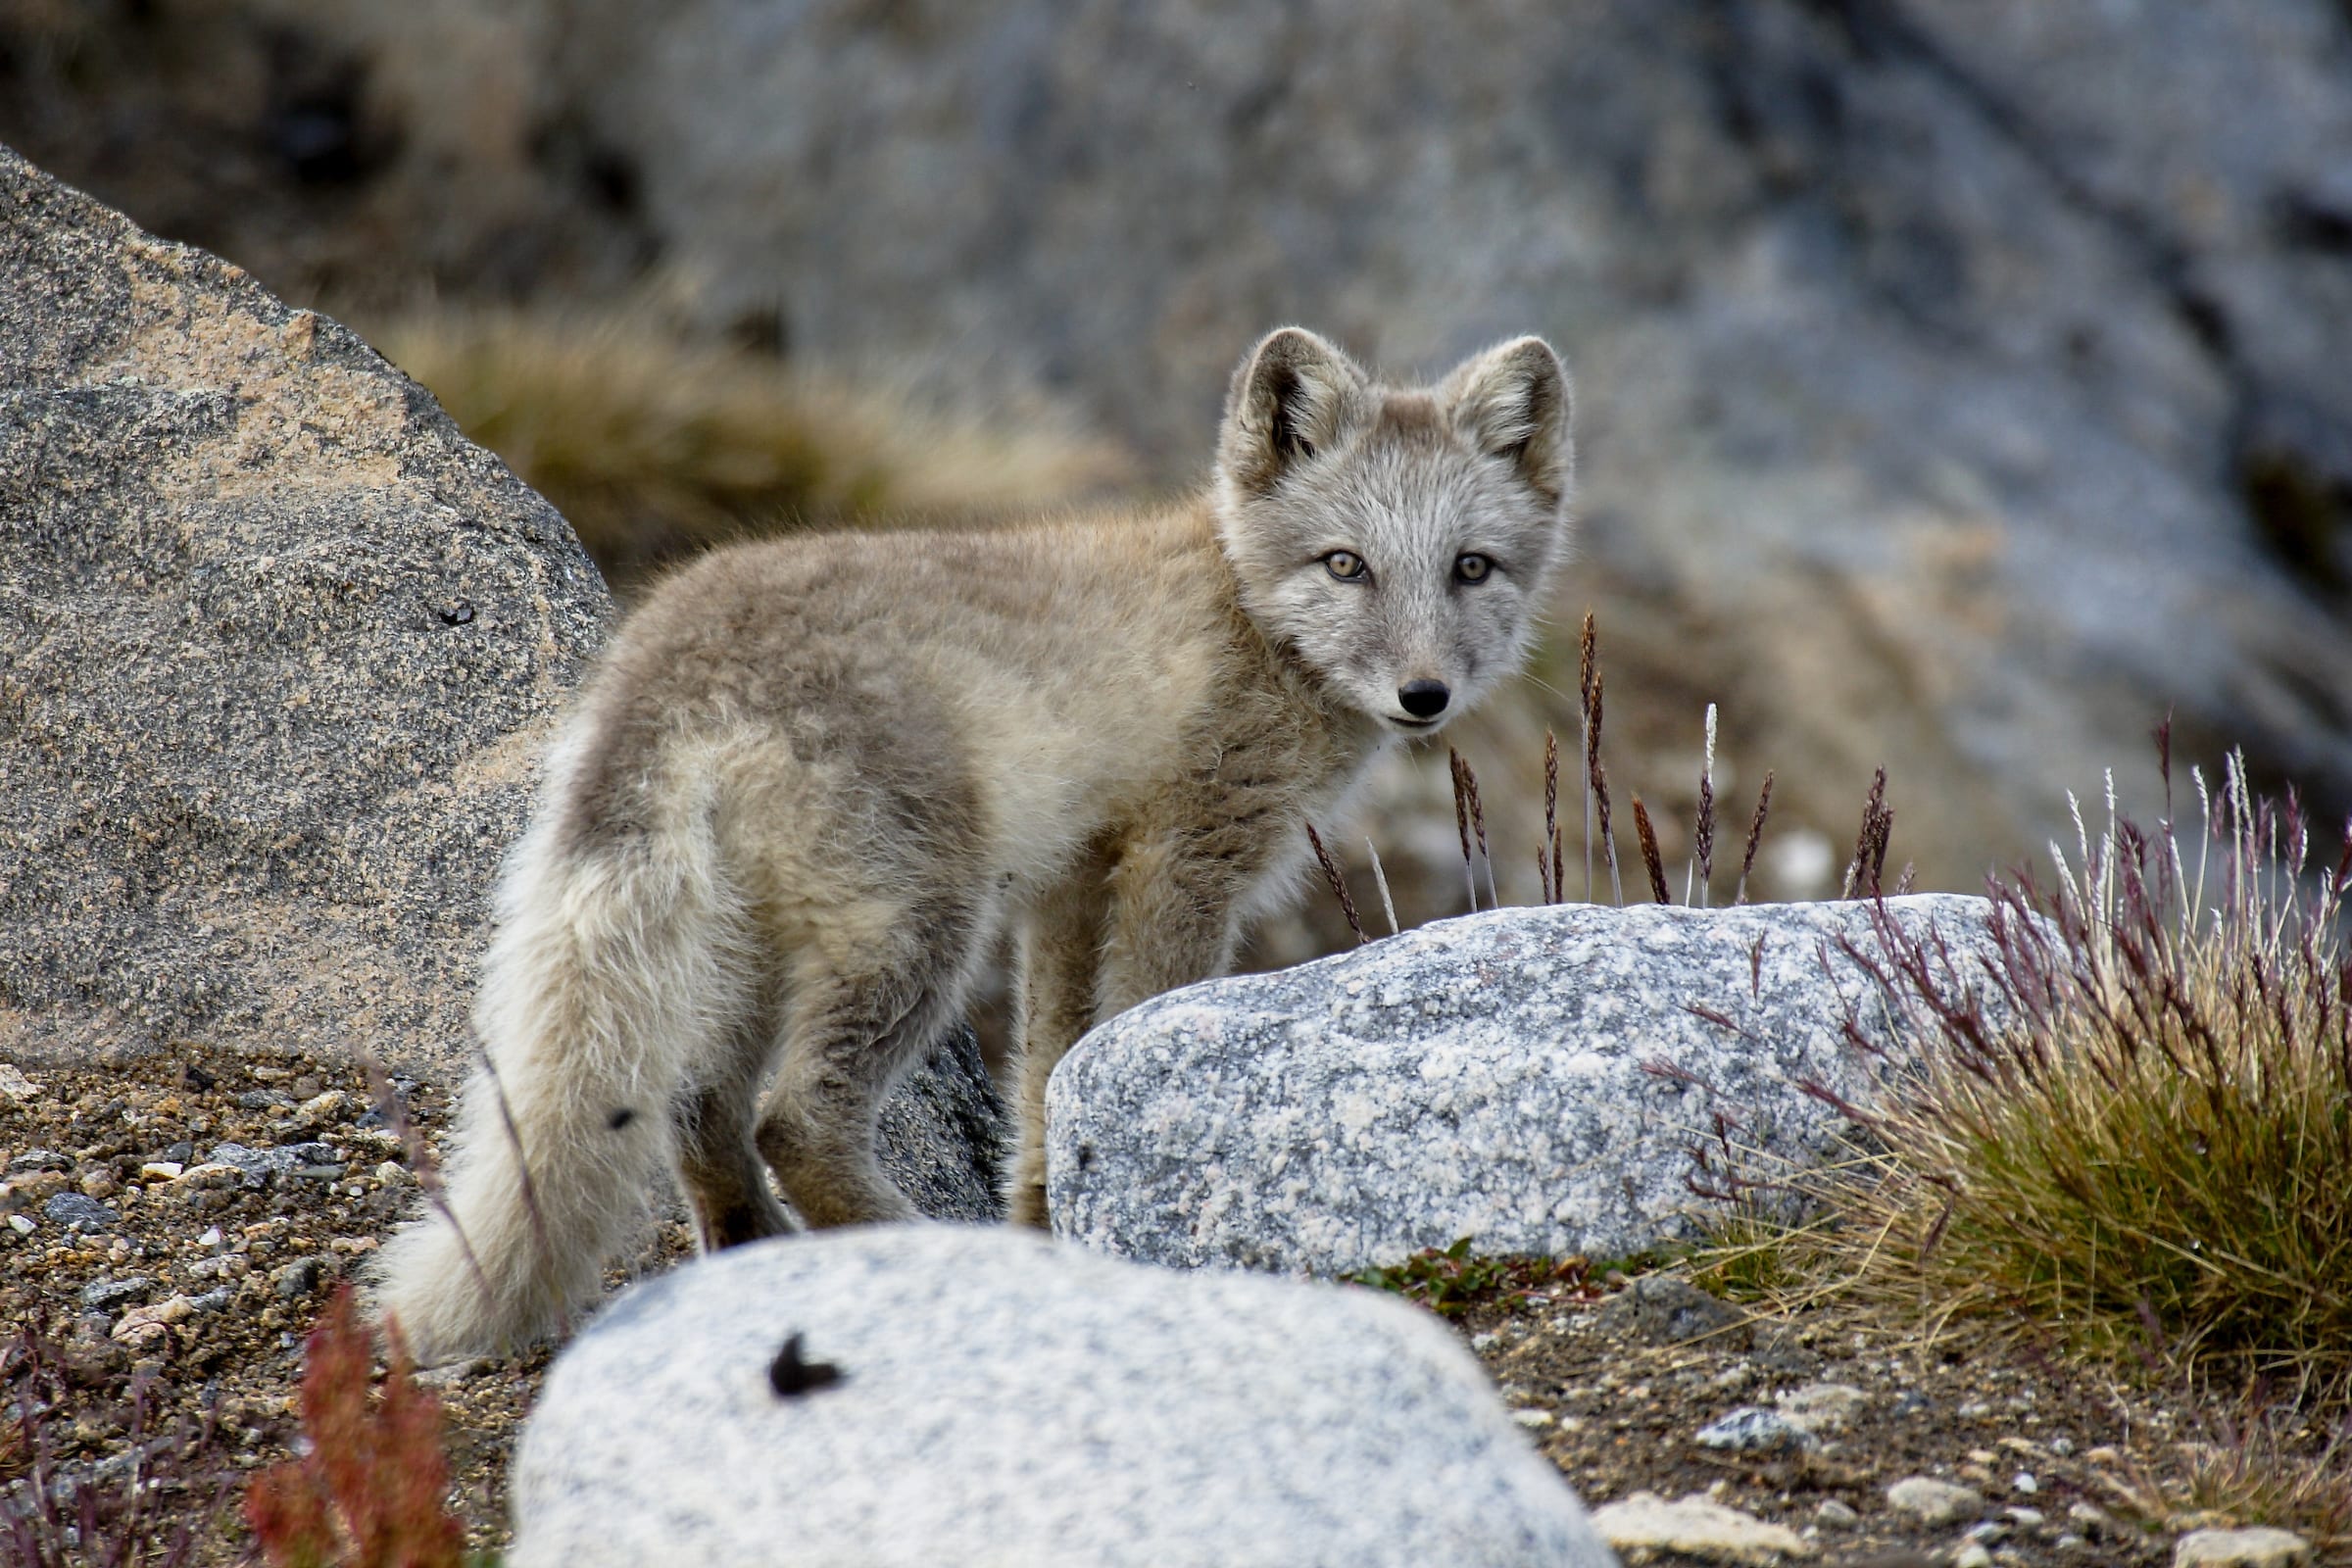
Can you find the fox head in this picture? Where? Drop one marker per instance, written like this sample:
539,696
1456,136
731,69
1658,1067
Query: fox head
1396,541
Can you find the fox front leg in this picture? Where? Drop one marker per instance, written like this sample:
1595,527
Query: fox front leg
1163,920
1059,957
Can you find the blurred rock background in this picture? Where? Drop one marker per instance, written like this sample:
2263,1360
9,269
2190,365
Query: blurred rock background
1962,384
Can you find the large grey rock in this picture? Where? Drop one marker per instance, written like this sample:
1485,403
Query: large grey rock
1000,1400
1537,1079
278,653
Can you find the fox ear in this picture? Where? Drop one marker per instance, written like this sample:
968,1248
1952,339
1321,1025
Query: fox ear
1294,396
1514,402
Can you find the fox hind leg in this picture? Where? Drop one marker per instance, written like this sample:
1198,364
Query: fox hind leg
725,1180
861,1014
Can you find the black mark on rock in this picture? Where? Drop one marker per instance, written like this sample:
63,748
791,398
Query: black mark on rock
790,1377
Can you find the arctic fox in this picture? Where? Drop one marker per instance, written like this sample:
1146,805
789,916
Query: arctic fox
816,777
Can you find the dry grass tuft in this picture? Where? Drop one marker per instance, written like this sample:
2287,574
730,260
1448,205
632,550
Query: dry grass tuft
1755,836
1648,836
1337,882
1865,873
653,447
2139,1135
2246,1468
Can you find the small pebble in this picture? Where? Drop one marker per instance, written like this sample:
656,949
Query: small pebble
161,1170
1972,1556
1836,1515
2241,1549
1823,1407
107,1294
213,1174
1751,1430
32,1187
211,1238
78,1210
22,1224
321,1107
2024,1482
1645,1525
298,1278
1934,1503
143,1325
2087,1517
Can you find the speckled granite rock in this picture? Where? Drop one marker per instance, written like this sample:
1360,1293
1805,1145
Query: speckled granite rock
1531,1077
943,1134
277,649
1003,1400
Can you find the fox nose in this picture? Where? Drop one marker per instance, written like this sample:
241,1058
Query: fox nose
1423,698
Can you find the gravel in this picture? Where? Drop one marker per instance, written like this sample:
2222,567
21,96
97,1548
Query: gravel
1612,1387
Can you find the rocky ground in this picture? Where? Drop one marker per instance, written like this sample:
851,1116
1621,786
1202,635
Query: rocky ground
187,1218
1863,1448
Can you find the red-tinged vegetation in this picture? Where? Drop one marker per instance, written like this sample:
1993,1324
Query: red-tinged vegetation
372,1491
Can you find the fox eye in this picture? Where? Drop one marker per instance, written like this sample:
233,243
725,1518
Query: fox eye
1345,564
1471,567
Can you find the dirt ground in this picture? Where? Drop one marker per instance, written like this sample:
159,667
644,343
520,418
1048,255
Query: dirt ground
206,1278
